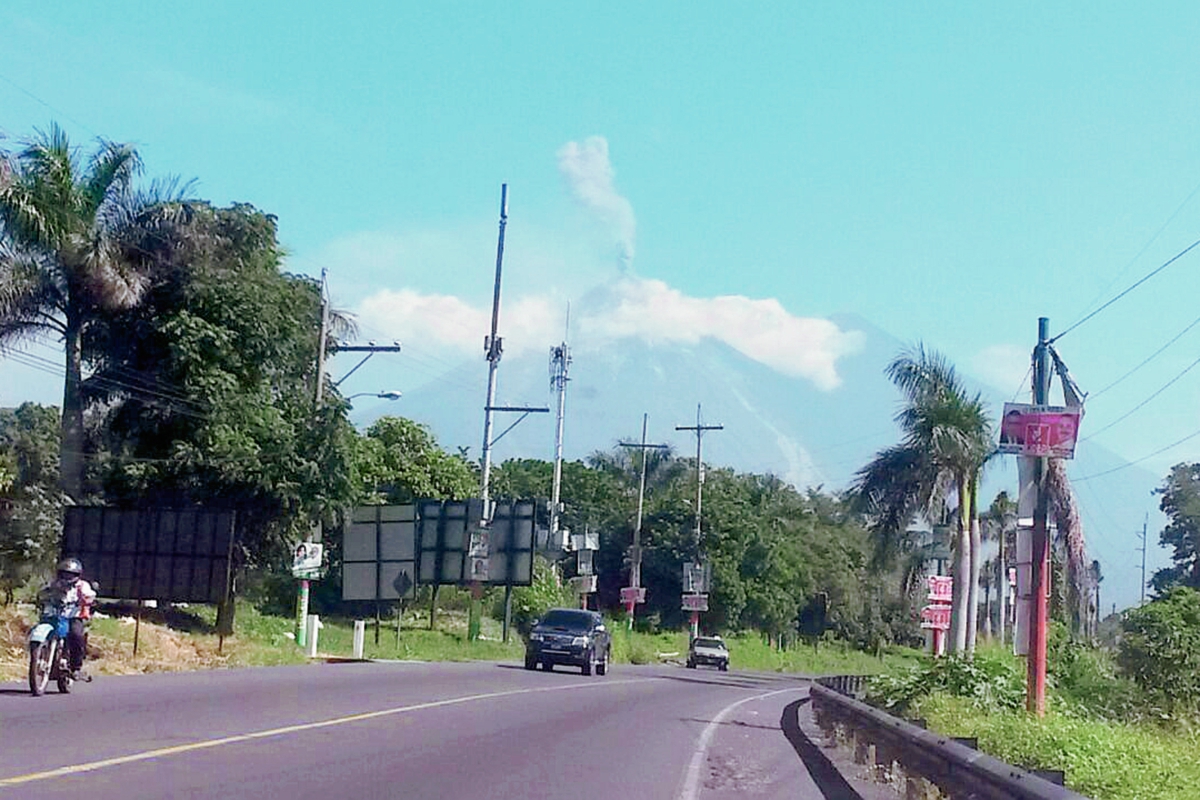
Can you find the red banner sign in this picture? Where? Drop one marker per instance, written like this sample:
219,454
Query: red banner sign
941,589
1028,430
936,617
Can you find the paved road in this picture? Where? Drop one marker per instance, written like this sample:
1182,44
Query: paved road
405,730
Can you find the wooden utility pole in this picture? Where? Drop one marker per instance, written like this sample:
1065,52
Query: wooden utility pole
1035,692
699,428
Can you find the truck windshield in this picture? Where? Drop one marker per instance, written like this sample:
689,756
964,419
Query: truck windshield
565,618
709,643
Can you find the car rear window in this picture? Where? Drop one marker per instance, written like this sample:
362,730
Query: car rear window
565,618
709,643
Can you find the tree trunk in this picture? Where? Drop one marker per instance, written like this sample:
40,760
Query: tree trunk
987,607
71,438
1002,581
961,572
976,547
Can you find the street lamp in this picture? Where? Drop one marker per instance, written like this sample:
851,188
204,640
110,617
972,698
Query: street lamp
388,395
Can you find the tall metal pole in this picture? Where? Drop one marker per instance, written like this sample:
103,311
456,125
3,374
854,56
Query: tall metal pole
635,573
493,348
321,340
1145,521
1035,693
635,568
699,428
560,362
303,593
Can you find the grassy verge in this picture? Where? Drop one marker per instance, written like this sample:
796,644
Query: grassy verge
1102,760
183,638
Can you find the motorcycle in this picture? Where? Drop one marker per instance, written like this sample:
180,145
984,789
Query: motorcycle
48,659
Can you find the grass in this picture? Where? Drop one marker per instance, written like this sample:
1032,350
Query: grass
183,638
1102,759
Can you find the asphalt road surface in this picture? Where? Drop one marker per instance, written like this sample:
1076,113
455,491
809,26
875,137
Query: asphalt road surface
408,730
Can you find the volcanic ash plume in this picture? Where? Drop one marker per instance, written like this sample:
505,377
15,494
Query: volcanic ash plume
589,174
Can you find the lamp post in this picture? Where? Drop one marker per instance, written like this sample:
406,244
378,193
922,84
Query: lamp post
388,395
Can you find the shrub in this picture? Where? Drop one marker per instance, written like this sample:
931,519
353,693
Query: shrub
1160,650
989,681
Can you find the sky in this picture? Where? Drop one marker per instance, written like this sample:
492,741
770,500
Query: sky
948,171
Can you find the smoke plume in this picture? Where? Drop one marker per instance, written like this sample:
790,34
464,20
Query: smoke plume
589,174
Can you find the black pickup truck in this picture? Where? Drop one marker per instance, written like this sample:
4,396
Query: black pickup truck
569,637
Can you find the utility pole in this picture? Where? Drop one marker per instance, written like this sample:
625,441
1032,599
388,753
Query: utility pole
560,362
1035,692
699,428
632,594
493,347
321,341
1145,522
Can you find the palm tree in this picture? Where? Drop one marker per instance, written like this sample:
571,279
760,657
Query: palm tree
999,522
64,258
947,439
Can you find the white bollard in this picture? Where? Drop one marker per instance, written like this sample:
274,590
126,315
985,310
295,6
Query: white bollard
360,634
314,625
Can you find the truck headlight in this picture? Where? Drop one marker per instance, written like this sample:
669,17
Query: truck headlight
580,641
535,637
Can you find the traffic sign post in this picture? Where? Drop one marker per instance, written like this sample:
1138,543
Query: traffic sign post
936,615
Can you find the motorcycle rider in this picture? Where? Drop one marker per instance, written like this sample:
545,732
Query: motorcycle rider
73,597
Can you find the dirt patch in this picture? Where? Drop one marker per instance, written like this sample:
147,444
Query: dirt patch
111,640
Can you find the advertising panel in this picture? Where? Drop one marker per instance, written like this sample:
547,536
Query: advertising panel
1029,430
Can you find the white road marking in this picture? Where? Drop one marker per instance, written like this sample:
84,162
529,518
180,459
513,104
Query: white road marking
691,782
92,766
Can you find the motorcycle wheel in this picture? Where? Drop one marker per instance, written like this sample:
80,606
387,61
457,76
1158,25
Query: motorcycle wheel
41,656
63,677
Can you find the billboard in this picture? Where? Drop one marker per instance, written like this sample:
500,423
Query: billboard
387,551
1029,430
173,555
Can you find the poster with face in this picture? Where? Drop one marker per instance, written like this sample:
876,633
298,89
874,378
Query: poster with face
1029,430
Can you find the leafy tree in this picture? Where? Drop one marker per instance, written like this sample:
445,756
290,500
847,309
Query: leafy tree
1160,649
65,255
208,386
31,519
399,461
1181,503
947,439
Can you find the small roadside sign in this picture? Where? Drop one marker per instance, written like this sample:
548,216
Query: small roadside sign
633,594
307,560
695,602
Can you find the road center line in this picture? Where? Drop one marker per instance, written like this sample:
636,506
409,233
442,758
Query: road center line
92,766
691,783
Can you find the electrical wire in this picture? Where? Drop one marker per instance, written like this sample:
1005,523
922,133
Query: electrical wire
1150,358
1142,280
1130,412
1128,464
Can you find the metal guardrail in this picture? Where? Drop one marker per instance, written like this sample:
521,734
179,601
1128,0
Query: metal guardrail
957,770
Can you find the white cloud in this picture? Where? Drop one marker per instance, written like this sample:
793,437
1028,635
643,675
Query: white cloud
1004,366
801,347
589,174
630,308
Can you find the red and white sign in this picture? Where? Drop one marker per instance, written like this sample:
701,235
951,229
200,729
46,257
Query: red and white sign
695,602
941,589
633,594
1028,430
936,617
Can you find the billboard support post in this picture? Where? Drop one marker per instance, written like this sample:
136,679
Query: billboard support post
1035,692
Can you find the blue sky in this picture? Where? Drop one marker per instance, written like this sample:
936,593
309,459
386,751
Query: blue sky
946,171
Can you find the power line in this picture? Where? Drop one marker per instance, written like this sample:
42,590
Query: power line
1148,359
1128,413
1127,464
1145,278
